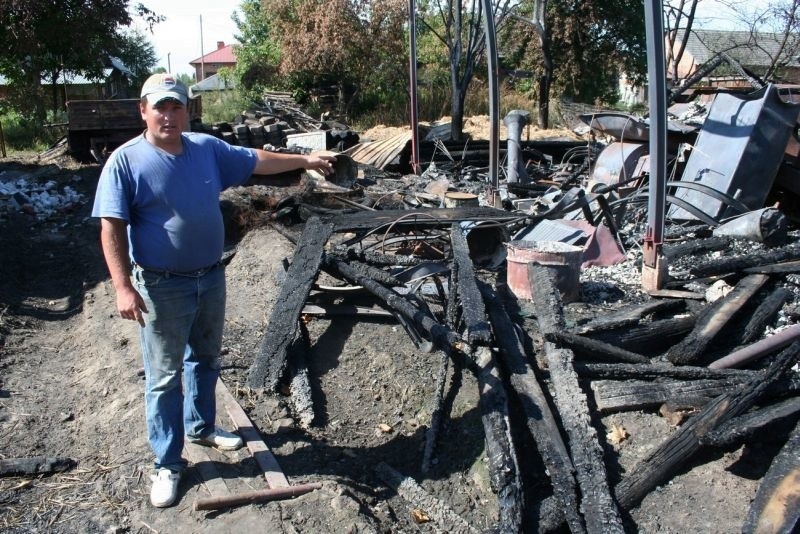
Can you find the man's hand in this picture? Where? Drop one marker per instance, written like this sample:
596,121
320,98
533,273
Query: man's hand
322,163
131,305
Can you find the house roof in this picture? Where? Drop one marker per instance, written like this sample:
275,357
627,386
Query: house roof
213,83
749,49
225,54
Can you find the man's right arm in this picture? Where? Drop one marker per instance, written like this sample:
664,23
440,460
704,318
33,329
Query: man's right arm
114,238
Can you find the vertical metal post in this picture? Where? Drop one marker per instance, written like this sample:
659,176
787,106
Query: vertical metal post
412,77
515,121
654,266
494,104
202,54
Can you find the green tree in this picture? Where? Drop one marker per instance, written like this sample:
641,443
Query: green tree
258,54
138,54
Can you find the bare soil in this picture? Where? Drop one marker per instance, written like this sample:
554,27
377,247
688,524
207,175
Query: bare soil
70,387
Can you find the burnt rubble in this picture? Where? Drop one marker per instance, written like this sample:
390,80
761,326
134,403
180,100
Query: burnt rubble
557,342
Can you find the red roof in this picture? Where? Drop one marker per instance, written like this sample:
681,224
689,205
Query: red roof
225,54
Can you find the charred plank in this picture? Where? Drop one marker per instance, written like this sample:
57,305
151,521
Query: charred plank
740,428
694,246
765,314
663,462
628,316
600,510
35,465
651,336
713,319
614,395
269,363
626,371
776,507
596,350
473,313
740,263
540,420
426,218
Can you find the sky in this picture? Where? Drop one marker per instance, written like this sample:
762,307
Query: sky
177,39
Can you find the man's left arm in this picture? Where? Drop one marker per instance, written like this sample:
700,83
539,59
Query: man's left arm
277,162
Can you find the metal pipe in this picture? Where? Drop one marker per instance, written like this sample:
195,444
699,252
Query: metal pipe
412,77
657,96
515,121
758,350
494,104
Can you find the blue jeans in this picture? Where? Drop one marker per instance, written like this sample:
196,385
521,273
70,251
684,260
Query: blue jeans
182,332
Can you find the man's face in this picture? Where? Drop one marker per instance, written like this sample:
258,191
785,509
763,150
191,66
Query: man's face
165,121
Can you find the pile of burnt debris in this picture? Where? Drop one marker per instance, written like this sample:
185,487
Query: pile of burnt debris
534,285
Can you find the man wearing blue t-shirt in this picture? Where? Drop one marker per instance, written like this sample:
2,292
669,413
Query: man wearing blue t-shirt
162,234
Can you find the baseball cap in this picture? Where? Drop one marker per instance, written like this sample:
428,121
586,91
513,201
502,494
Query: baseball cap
164,85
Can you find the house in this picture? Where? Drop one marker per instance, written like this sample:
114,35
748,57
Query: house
209,64
755,52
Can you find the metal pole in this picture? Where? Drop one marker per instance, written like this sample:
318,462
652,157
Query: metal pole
202,62
654,266
412,76
494,104
169,65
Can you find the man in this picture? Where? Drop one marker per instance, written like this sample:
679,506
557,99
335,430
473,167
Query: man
162,235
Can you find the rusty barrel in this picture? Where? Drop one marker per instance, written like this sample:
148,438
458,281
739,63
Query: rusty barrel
563,260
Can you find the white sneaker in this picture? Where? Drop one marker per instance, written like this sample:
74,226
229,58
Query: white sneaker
220,439
165,488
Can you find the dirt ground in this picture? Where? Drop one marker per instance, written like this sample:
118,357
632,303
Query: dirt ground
70,387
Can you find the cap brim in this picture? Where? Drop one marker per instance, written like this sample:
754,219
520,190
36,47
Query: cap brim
155,98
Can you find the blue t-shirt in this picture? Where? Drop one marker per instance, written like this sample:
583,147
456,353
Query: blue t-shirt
171,202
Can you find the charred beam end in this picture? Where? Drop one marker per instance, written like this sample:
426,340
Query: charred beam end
765,313
473,312
35,465
599,509
540,420
503,466
714,319
740,428
596,350
269,363
776,507
681,446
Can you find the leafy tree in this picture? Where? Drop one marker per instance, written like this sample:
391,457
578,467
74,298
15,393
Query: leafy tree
258,54
42,38
138,54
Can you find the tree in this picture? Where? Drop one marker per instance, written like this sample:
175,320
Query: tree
258,54
461,30
137,53
42,38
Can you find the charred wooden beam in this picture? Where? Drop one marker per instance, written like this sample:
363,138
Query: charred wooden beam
776,507
442,336
627,371
713,319
596,350
694,246
628,316
740,428
473,312
651,336
737,264
765,314
599,509
375,258
35,465
300,387
787,267
500,452
408,489
614,395
426,218
269,363
432,434
668,457
540,420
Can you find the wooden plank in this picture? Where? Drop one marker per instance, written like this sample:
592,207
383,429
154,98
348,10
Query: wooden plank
252,439
472,308
613,395
714,319
680,446
628,315
269,363
598,506
206,470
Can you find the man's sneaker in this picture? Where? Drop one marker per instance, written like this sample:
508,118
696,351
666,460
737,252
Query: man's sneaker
165,488
220,439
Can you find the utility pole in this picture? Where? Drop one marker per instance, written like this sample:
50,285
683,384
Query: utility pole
169,66
202,63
